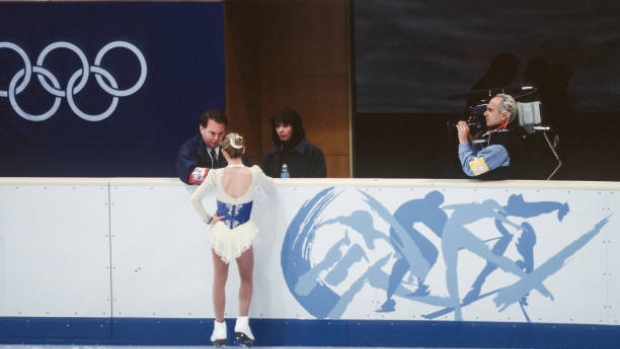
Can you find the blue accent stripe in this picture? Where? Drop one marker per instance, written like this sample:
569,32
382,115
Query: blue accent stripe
43,329
287,332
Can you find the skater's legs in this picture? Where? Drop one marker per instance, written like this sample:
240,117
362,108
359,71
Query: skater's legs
245,263
220,276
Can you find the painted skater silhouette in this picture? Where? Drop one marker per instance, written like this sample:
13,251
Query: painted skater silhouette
415,253
428,212
456,236
362,223
517,207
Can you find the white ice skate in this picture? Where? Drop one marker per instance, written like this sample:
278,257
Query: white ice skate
243,333
218,337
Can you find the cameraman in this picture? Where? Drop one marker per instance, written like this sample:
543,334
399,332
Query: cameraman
498,154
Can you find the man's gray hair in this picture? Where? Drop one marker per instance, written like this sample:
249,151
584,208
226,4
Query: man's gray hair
508,104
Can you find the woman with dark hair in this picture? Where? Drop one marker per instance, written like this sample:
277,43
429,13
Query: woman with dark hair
291,150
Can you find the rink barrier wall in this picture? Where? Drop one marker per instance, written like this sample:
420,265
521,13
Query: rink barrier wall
124,261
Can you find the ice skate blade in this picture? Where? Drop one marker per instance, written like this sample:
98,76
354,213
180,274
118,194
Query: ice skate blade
219,343
243,340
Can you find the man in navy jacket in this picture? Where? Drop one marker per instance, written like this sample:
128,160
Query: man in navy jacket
202,152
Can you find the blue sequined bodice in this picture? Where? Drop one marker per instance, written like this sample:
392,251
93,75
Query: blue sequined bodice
236,214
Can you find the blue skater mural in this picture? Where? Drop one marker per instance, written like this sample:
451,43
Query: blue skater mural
336,257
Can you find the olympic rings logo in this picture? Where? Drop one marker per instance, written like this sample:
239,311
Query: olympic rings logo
76,82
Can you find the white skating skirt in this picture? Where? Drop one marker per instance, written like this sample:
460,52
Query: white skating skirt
229,243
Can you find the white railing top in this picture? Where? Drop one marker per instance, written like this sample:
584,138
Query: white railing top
355,182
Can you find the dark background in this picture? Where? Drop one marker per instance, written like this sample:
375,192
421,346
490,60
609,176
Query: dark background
412,56
408,59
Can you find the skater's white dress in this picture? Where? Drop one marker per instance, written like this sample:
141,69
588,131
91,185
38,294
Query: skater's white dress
233,235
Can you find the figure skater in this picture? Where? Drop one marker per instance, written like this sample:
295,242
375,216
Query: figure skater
231,232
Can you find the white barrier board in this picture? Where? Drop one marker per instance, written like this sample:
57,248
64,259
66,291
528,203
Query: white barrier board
332,249
54,251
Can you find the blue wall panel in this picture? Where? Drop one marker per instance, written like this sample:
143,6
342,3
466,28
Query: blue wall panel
139,100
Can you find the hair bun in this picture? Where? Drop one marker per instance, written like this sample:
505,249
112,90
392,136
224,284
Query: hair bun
236,141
